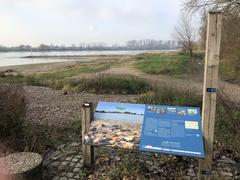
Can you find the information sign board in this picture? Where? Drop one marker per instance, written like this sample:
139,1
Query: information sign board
172,130
165,129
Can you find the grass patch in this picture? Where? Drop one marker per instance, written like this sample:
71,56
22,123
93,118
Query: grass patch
44,78
114,84
74,71
165,63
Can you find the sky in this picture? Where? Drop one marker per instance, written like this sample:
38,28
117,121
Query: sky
113,107
70,22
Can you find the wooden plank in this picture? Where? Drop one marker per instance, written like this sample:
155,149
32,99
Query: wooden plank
87,150
209,90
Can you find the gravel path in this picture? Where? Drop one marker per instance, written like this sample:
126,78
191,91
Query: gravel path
52,107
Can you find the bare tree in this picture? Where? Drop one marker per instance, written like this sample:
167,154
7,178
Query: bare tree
225,6
185,33
230,44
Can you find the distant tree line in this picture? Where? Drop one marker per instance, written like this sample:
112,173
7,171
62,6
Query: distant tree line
152,44
130,45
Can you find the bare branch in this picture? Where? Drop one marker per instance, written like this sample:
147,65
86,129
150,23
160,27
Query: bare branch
185,33
225,6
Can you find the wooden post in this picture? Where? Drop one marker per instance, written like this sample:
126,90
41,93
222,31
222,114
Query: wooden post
87,150
209,90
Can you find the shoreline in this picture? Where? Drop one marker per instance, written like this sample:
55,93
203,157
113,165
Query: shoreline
75,56
66,59
23,58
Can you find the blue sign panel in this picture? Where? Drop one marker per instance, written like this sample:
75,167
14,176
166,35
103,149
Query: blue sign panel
164,129
172,130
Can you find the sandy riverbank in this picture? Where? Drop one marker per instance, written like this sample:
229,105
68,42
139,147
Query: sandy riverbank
60,66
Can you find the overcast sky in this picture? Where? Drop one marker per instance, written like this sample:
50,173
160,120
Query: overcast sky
74,21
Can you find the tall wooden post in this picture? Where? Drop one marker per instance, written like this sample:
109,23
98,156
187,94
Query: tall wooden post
87,150
209,90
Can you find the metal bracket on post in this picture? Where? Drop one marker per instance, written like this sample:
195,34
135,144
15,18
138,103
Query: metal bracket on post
211,90
87,150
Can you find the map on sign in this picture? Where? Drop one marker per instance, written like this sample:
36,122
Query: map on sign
172,130
165,129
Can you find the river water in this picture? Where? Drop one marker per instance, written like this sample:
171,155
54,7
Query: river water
15,58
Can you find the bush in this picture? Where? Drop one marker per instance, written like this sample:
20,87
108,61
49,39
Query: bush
114,84
12,113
